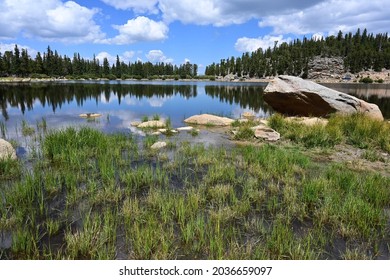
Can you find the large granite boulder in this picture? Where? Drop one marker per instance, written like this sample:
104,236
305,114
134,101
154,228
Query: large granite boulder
6,150
295,96
206,119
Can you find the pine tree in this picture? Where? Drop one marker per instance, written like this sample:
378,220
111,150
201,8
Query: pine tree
15,66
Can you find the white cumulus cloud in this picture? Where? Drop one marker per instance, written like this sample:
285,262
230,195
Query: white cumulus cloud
158,56
139,29
138,6
245,44
215,12
331,16
125,57
51,20
102,55
10,47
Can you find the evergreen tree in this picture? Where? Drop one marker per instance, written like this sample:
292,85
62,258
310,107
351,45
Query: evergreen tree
15,66
38,64
106,67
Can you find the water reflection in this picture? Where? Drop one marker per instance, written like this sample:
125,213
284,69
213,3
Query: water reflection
123,102
378,94
56,95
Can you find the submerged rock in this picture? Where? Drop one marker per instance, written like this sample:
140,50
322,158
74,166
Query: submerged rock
90,115
185,128
297,97
207,119
158,145
6,150
248,115
165,130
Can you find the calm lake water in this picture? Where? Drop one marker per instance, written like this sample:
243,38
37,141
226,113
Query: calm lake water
121,102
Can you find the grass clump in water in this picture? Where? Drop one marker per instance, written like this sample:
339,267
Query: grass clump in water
244,133
26,129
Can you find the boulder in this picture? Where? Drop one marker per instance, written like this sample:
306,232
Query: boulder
206,119
158,145
151,124
6,150
295,96
265,133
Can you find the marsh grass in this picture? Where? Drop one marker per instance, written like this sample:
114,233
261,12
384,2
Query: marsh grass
3,129
194,132
42,125
10,169
244,132
27,130
91,195
357,130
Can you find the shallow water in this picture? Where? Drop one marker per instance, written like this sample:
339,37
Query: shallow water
378,94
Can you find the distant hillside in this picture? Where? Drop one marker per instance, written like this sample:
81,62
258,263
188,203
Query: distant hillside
311,58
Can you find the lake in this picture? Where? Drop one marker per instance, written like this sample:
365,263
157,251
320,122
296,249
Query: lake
121,102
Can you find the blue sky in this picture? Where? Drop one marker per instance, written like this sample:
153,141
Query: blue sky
201,31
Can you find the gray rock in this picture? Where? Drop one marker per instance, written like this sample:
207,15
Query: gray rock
206,119
325,67
90,115
6,150
185,128
135,123
156,133
152,124
158,145
266,133
164,130
295,96
248,115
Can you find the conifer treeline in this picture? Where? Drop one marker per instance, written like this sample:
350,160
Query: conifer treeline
20,63
361,51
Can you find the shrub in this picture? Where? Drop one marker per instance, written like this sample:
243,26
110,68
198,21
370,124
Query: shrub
366,80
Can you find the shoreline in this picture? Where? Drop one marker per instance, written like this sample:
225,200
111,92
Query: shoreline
385,76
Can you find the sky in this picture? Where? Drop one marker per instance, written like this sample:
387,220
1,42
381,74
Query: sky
173,31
